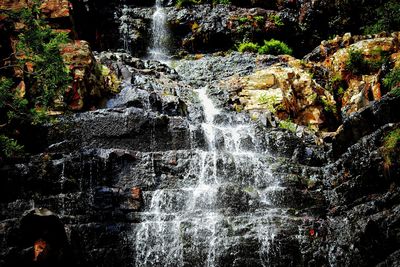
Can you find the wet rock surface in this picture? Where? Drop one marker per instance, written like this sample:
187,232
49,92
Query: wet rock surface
126,178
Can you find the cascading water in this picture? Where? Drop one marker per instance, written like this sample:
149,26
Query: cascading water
222,207
160,34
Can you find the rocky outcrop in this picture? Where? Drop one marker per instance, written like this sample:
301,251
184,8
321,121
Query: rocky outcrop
93,83
199,28
356,82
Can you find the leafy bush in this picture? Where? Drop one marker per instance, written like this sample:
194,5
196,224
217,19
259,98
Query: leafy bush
40,45
275,47
222,2
183,3
392,79
387,18
356,63
248,47
9,147
276,19
44,74
288,125
391,147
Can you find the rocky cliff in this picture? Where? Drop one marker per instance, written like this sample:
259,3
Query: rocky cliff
222,159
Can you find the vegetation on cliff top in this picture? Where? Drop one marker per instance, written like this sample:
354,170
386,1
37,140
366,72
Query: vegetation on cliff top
40,75
271,47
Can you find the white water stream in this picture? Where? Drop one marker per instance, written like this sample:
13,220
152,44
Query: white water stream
196,224
160,34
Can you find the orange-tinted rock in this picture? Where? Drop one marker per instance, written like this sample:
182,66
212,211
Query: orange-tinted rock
51,8
40,249
286,90
91,81
136,193
55,8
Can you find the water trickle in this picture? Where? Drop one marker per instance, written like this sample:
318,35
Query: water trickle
160,34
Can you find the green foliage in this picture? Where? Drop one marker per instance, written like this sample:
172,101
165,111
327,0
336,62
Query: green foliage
183,3
275,47
328,107
337,86
391,146
40,46
288,125
356,63
243,20
276,19
46,77
395,91
9,147
392,79
259,19
387,18
222,2
248,47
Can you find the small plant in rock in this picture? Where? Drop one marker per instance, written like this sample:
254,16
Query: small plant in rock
391,147
392,80
183,3
275,47
259,19
355,62
248,47
270,101
222,2
9,147
276,19
288,125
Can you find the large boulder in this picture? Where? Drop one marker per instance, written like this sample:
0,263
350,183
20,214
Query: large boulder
359,66
287,90
92,82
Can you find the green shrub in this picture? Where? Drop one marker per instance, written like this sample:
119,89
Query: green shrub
356,63
392,79
387,18
223,2
276,19
274,47
9,147
38,46
183,3
248,47
259,19
288,125
391,146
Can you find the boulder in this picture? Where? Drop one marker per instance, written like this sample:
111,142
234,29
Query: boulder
287,90
92,81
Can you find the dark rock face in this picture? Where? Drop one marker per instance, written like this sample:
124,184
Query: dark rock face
145,182
206,27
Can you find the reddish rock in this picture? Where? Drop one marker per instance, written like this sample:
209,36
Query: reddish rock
136,193
50,8
91,81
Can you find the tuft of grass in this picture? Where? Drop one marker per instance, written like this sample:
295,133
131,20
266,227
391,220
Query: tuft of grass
356,63
392,80
288,125
276,19
248,47
391,146
9,147
275,47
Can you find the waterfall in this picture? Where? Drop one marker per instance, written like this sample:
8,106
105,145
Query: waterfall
160,34
222,204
